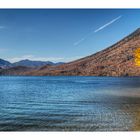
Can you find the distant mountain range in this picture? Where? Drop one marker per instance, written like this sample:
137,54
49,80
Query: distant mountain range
26,63
116,60
29,63
4,63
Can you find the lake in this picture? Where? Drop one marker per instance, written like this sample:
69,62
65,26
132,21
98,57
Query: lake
69,103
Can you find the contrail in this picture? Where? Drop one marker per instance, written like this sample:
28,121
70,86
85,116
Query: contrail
97,30
107,24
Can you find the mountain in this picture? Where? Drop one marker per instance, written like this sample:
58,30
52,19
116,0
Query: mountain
116,60
23,66
4,63
17,70
29,63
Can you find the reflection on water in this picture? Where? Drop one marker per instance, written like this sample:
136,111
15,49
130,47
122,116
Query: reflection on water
69,103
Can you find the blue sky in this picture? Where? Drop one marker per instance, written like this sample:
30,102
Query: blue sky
62,35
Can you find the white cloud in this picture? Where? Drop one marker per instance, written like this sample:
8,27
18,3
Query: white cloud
68,59
97,30
34,58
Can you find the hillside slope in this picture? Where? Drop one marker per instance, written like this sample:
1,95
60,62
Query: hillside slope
4,63
17,70
117,60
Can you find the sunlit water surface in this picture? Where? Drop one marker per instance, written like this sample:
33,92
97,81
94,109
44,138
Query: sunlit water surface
67,103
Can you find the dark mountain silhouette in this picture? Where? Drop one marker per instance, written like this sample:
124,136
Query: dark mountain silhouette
29,63
4,63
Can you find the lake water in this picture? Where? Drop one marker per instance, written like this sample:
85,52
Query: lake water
67,103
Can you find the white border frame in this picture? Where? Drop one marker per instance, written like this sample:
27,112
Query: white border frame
69,4
69,135
72,4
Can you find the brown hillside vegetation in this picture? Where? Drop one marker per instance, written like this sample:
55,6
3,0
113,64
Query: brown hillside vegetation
117,60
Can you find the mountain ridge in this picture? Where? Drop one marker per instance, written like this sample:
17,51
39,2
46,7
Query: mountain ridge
27,63
116,60
4,63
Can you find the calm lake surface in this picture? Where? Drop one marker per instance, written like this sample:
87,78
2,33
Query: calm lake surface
67,103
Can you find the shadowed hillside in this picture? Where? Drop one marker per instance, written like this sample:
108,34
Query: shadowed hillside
18,70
